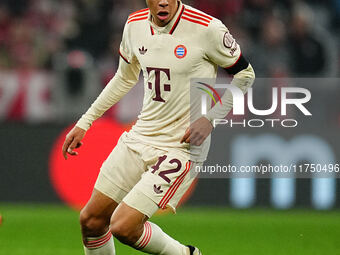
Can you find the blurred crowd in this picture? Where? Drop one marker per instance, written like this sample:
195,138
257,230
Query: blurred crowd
281,37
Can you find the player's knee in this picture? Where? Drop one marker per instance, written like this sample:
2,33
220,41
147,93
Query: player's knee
124,233
91,223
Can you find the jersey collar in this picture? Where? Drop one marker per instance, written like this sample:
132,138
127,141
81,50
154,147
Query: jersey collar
171,26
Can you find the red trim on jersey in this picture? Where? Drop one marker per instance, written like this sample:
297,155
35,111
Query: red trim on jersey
200,14
235,62
195,21
137,15
132,20
176,185
177,21
152,31
196,17
143,10
123,57
172,190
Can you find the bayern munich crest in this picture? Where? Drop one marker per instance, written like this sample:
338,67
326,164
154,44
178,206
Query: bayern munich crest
180,51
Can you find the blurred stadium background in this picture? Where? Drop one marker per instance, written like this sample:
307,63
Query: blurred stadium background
55,58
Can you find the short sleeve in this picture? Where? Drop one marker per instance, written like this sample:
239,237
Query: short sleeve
222,49
125,49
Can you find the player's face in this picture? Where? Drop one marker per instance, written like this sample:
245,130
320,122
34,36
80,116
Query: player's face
162,11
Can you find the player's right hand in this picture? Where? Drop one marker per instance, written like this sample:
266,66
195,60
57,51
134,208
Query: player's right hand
73,141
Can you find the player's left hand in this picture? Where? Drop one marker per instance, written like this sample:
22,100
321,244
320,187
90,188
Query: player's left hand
197,132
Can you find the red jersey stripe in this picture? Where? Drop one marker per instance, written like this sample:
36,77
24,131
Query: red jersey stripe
143,10
123,57
152,31
177,21
160,204
200,14
142,18
176,186
196,17
169,190
172,190
138,15
195,21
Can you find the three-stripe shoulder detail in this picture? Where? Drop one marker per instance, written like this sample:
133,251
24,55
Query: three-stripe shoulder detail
138,15
197,17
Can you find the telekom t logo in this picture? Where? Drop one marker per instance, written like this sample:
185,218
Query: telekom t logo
166,87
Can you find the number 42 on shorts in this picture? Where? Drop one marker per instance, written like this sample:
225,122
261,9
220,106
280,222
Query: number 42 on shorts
163,174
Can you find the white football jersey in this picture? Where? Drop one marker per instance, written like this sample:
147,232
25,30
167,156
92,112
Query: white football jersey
191,46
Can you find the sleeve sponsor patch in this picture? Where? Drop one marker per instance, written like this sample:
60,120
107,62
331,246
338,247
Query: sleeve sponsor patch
228,40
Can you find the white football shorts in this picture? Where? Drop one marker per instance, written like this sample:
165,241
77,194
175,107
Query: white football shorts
144,177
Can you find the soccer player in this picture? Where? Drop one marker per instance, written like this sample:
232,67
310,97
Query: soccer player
148,169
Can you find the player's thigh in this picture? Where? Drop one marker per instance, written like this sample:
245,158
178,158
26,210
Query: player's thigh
126,219
120,172
99,207
163,184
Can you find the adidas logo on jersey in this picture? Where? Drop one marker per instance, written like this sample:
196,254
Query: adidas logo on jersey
157,189
142,50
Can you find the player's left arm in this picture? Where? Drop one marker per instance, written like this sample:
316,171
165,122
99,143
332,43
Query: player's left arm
224,51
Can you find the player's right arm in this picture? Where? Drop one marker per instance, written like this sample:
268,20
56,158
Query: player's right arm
126,77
